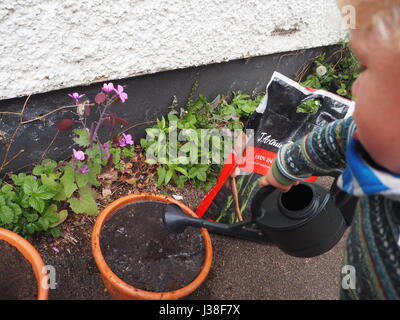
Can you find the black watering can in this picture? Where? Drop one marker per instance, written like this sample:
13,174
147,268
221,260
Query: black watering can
304,222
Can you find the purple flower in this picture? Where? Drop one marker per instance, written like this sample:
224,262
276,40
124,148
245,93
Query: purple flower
108,87
84,170
121,142
78,155
128,139
107,150
121,94
125,140
76,96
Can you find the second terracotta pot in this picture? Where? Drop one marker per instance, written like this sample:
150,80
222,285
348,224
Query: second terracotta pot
123,291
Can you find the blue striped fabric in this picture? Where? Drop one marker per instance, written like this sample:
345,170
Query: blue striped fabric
361,178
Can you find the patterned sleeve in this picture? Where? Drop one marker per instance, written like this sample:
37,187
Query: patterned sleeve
317,154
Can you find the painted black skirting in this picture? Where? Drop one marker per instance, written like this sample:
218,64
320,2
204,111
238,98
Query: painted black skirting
149,98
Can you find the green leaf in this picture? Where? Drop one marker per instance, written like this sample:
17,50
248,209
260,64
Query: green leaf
23,200
51,215
30,185
31,228
61,217
93,153
31,217
144,143
37,204
81,179
68,181
202,176
151,161
83,137
161,175
55,232
180,181
42,223
15,208
228,110
18,179
47,166
116,152
181,170
168,175
6,215
60,196
162,123
310,106
151,133
85,203
45,192
38,170
172,117
6,189
127,153
50,179
94,170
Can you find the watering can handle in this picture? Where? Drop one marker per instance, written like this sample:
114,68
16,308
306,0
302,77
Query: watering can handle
260,196
345,202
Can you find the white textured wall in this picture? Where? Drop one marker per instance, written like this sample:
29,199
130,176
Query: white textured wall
52,44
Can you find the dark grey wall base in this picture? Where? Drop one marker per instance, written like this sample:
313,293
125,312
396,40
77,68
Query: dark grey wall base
149,98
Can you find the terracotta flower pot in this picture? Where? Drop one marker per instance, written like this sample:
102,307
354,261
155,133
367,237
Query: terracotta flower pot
30,254
123,291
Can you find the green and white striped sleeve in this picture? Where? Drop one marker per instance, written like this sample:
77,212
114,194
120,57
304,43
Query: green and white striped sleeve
317,154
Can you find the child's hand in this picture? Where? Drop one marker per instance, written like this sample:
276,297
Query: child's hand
269,179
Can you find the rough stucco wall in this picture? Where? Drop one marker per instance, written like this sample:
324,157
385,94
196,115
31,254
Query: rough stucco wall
53,44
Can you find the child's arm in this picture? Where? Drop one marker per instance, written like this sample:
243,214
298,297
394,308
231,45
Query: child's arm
319,153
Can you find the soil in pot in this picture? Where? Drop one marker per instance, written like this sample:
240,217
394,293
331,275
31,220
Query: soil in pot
17,280
140,251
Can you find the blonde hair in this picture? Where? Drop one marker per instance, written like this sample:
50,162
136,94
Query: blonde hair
381,15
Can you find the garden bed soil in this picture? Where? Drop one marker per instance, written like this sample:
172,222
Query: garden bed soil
17,280
139,250
77,276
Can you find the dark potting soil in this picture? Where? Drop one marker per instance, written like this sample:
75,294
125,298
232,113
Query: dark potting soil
141,252
17,280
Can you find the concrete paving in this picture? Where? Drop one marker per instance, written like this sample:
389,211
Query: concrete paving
253,271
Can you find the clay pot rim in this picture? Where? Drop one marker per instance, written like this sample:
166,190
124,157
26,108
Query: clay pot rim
127,290
32,255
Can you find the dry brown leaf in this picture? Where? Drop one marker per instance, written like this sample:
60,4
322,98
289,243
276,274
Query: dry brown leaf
108,175
132,180
128,171
128,165
106,192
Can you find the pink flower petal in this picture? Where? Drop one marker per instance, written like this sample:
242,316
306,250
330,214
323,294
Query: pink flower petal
122,142
108,87
84,170
128,139
78,155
